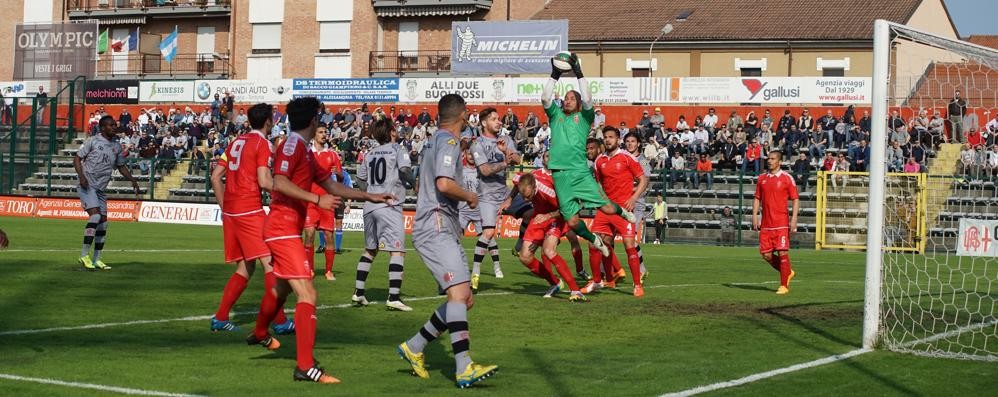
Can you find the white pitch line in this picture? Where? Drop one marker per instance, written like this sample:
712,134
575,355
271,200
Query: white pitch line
113,250
767,374
202,318
103,388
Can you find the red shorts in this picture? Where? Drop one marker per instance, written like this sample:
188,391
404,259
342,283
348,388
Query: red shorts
612,225
289,260
536,232
774,240
243,237
318,218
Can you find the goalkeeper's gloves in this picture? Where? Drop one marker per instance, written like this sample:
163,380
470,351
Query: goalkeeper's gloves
576,65
555,72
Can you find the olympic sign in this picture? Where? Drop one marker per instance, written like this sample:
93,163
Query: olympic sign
977,237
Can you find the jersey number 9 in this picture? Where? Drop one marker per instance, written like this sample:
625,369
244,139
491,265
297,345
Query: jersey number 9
234,152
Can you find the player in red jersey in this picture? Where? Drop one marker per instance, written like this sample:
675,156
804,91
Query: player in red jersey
545,229
246,168
317,218
616,171
295,169
772,192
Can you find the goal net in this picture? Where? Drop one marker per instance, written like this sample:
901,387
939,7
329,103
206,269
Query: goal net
938,294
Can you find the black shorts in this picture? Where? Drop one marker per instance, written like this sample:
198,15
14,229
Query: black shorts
338,213
518,207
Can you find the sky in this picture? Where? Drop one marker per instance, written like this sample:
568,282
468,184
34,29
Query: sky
974,16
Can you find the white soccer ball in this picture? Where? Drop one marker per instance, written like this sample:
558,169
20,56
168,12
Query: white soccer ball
562,61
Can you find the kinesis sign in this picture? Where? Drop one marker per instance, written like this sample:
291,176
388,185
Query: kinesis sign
54,51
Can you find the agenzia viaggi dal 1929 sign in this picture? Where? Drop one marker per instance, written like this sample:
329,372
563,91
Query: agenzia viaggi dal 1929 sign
506,47
54,51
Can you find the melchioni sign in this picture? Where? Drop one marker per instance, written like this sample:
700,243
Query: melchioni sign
112,91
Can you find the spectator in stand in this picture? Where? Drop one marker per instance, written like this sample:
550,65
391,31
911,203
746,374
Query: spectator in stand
806,122
678,169
657,123
739,133
623,128
710,121
802,172
543,133
817,144
735,121
974,137
532,124
849,117
473,122
894,158
828,164
753,158
241,117
700,140
912,166
918,151
600,120
705,171
991,162
860,156
681,124
967,160
827,124
955,112
793,141
511,122
661,214
751,124
899,133
865,123
644,126
992,126
727,221
919,127
767,121
765,136
125,118
729,150
841,165
786,121
424,118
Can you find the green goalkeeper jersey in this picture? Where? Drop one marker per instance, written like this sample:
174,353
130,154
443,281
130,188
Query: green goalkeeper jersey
568,138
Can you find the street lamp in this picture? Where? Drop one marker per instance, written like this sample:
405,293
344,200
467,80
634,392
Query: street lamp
665,30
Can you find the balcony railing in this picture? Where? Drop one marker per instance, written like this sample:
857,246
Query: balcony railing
150,66
144,5
402,62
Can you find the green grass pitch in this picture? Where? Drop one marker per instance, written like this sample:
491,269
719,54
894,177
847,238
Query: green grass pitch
709,315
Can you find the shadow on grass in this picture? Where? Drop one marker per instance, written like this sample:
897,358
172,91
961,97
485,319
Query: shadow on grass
542,366
754,287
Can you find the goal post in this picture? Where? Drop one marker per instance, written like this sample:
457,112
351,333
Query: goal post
935,298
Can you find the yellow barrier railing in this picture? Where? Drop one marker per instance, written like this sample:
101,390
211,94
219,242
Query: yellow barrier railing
906,224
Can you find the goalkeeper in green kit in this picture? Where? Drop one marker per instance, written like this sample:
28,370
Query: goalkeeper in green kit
573,181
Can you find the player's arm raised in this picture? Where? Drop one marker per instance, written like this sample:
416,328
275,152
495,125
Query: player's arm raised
587,97
548,92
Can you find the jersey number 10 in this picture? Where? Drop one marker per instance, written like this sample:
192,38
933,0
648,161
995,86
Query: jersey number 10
379,170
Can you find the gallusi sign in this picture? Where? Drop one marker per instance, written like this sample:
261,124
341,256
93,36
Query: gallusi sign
55,51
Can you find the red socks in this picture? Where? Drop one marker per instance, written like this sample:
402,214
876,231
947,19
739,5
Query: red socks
233,289
542,271
784,270
577,256
562,267
310,257
634,262
774,261
304,334
595,259
546,271
269,281
330,258
269,309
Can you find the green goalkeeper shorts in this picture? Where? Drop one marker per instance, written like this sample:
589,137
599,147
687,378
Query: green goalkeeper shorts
576,189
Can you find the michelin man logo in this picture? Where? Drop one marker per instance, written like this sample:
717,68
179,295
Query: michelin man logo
498,87
467,41
411,89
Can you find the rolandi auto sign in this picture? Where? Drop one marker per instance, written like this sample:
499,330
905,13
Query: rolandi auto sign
507,47
54,51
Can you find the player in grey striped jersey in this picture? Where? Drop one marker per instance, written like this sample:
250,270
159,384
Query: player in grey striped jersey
386,169
633,146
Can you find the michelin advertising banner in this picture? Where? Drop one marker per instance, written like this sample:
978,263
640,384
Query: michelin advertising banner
348,90
474,90
506,47
851,90
247,91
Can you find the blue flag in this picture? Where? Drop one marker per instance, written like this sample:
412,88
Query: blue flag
168,48
133,41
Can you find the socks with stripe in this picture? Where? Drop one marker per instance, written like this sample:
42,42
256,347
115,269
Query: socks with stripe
99,236
430,331
457,325
480,248
494,251
395,269
634,262
595,260
305,334
338,236
88,234
577,256
785,269
269,282
233,289
562,267
641,259
363,269
330,259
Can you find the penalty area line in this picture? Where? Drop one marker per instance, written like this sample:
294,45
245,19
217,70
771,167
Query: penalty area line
103,388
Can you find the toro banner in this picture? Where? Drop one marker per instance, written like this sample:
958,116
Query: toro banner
474,90
251,91
54,51
507,47
112,91
853,90
348,90
977,237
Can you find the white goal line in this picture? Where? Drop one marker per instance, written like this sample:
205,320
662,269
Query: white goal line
103,388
